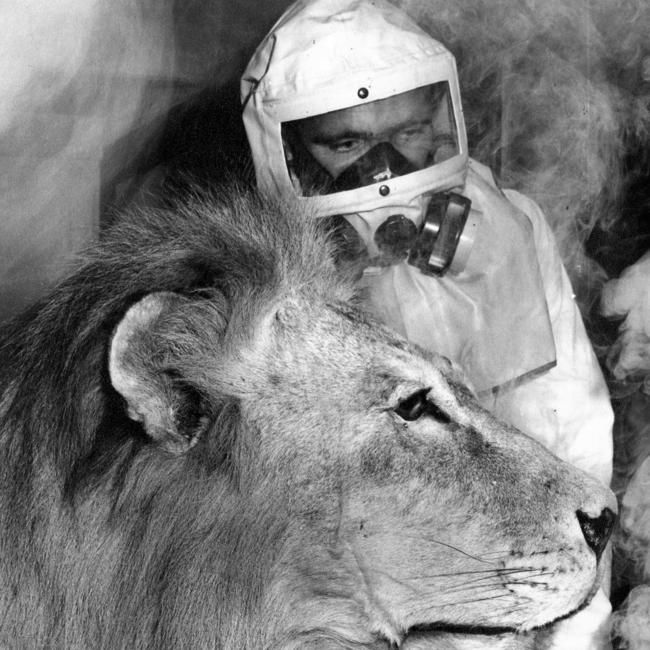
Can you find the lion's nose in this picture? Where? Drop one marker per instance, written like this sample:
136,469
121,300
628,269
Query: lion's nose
597,529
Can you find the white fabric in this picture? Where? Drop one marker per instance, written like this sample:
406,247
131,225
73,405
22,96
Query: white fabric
568,407
587,630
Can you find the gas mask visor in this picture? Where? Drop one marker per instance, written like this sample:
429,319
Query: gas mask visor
371,143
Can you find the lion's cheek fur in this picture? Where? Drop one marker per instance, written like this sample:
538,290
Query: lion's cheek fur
404,532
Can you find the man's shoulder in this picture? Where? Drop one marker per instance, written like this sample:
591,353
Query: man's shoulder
476,169
481,175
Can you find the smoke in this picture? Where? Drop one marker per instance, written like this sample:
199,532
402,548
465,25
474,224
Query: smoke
628,359
635,518
628,297
631,623
552,92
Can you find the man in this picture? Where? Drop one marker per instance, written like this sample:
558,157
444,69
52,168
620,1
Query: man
353,109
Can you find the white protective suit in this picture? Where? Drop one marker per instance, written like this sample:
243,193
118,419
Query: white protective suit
507,314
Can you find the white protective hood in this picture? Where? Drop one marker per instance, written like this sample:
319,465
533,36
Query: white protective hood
317,58
492,317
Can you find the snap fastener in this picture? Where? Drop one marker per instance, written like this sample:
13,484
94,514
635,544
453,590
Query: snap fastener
384,190
363,93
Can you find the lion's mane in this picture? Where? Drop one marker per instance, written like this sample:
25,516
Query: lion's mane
71,457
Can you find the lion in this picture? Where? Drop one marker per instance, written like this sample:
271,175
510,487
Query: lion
206,443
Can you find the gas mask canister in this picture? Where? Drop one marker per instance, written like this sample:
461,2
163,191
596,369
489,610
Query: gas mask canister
411,134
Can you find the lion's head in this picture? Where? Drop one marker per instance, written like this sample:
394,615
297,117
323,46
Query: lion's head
205,444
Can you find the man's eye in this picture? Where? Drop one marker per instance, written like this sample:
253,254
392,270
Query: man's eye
414,133
345,146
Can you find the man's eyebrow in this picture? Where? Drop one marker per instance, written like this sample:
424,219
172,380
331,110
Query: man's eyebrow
347,134
351,134
412,122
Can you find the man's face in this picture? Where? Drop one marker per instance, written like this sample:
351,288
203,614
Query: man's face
406,121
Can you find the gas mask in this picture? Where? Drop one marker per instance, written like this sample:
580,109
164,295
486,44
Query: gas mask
441,243
344,151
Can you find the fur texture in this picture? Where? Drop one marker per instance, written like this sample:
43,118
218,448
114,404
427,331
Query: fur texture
205,444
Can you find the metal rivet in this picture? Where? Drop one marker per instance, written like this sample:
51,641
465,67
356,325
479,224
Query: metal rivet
362,92
384,190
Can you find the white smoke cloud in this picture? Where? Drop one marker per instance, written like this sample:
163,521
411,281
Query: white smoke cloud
635,517
628,297
553,86
631,622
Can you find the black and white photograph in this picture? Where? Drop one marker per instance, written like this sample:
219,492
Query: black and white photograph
325,325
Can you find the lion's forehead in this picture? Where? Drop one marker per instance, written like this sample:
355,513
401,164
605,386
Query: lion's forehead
341,337
344,322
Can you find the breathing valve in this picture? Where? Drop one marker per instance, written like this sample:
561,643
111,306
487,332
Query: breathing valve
447,235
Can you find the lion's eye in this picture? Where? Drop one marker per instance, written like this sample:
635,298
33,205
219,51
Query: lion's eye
417,405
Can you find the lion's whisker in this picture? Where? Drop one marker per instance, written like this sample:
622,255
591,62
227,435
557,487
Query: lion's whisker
479,600
514,570
451,546
504,553
459,588
508,610
487,573
476,581
489,579
459,550
532,575
453,574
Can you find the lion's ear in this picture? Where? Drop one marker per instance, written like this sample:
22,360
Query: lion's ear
141,368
